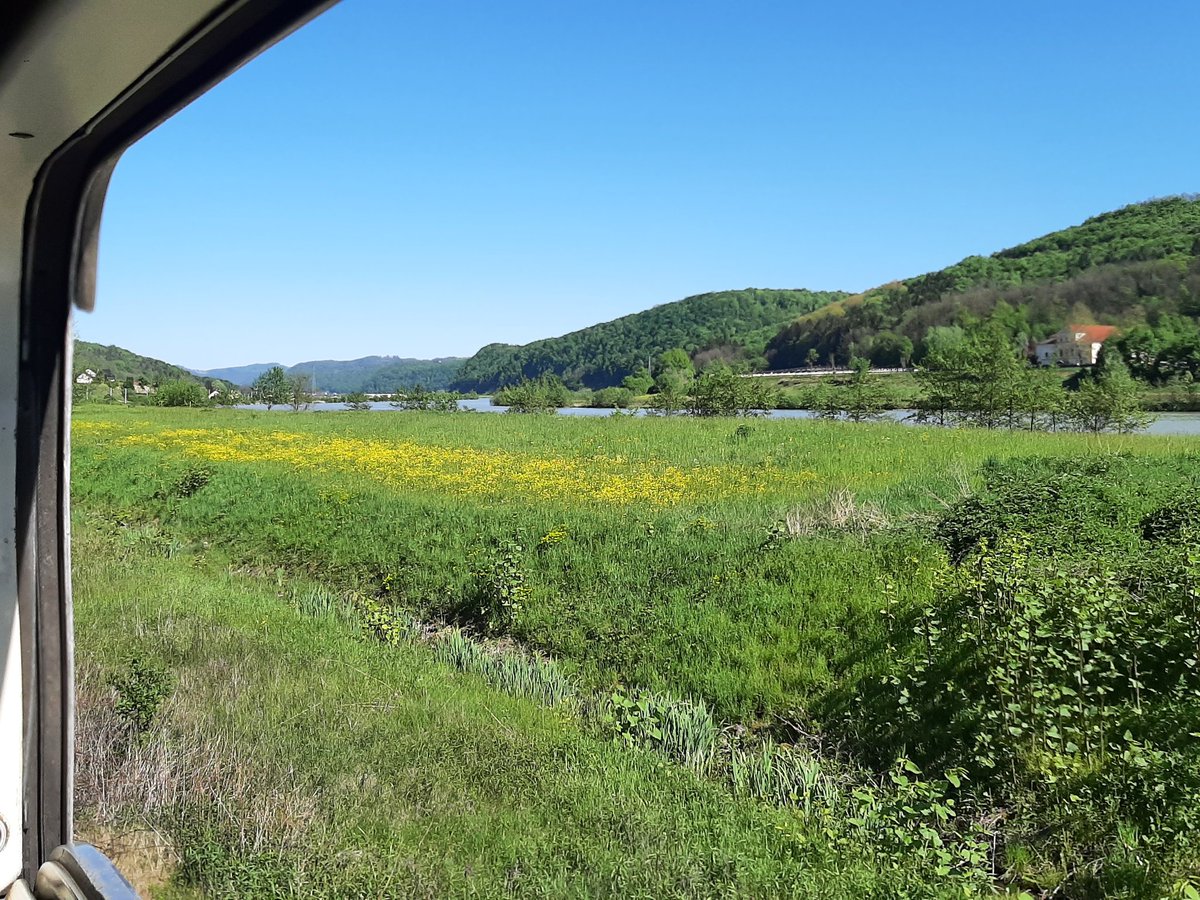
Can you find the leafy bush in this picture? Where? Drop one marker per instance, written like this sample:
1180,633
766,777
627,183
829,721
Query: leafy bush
1056,503
357,401
141,690
180,393
1176,522
720,392
499,590
612,398
541,395
1061,663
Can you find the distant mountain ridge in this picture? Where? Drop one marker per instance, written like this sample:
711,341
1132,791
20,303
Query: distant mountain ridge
373,374
727,322
1137,267
239,375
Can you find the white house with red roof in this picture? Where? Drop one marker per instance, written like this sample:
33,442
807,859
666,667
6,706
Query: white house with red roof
1075,345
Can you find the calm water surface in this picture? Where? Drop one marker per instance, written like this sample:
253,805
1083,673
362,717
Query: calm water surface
1186,423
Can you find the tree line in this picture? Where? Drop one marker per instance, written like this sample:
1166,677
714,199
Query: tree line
732,325
986,382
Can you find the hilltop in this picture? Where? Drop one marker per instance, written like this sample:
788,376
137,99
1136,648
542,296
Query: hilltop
730,324
119,364
1135,266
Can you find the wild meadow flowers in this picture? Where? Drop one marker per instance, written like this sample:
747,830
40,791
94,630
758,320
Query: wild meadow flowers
411,466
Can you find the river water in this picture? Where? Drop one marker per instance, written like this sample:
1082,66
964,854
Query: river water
1173,423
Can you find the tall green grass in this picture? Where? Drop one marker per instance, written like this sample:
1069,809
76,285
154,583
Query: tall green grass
732,635
294,758
710,600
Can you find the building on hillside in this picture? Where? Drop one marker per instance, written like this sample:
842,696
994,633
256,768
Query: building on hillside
1075,345
87,376
140,387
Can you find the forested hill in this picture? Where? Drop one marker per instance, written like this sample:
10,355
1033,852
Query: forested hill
119,364
374,374
1137,267
733,324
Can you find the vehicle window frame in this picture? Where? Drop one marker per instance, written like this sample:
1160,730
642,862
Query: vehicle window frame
60,239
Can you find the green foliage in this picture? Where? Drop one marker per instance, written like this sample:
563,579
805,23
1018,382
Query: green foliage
500,590
227,395
638,383
419,398
188,483
1061,661
863,398
300,394
323,754
680,729
357,401
1175,522
983,380
141,689
824,657
719,392
603,355
676,360
612,398
519,674
180,393
1108,399
272,387
1135,267
543,394
122,366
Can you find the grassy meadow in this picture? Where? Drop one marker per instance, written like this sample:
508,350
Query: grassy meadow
477,655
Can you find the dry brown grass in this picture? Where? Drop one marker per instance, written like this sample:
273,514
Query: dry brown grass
838,511
132,792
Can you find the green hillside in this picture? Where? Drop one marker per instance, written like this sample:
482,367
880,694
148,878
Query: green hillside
736,322
1136,267
119,364
374,374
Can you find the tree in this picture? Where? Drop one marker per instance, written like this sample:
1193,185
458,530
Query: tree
1109,399
272,387
638,383
866,398
301,392
676,360
227,394
943,340
891,350
977,382
357,401
719,391
1040,399
715,393
544,394
613,398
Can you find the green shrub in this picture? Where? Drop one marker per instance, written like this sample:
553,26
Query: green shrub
141,690
180,393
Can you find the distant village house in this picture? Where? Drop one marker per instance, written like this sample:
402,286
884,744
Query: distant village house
1075,345
87,376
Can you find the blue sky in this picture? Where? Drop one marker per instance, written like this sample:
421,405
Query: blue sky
422,178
